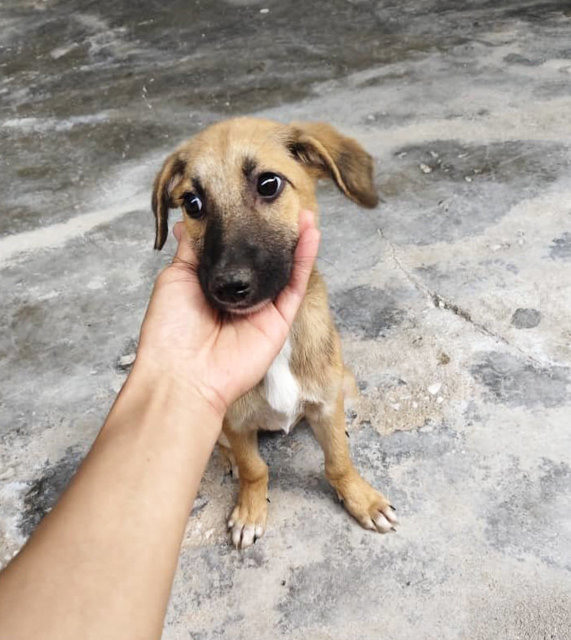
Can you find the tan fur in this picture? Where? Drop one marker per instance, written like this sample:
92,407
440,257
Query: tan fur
303,152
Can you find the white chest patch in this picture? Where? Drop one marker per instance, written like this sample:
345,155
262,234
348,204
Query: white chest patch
282,390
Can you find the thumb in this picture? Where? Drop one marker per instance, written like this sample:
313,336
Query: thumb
287,303
184,250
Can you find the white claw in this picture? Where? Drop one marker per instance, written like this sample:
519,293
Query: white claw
369,524
383,525
244,536
236,535
248,536
390,515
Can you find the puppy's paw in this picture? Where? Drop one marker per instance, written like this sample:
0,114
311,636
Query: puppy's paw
248,520
367,505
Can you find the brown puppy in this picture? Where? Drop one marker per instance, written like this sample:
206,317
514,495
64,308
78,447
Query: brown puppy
241,184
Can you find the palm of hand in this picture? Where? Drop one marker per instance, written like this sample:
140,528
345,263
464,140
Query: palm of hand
221,359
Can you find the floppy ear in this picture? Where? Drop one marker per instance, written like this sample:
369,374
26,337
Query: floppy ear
324,149
167,178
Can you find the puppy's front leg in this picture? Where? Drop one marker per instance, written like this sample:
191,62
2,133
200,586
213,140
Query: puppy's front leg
369,507
248,520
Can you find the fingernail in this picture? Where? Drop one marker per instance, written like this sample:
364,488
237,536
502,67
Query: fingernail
308,214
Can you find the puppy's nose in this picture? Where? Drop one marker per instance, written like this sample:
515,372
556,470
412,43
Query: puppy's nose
232,286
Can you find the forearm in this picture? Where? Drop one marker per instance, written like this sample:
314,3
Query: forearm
101,563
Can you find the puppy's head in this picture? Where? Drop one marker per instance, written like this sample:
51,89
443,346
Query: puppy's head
241,184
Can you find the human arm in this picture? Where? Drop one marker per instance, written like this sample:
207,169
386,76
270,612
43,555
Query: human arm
101,564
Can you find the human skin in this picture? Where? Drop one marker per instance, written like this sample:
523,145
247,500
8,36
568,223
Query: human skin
101,563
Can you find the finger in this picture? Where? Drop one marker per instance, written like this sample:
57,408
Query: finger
304,257
184,250
177,230
306,219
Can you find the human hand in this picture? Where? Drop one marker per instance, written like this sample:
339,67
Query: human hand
183,339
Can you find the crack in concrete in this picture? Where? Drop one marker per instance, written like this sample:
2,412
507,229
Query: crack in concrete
440,302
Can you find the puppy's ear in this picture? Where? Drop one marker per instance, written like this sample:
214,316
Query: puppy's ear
323,149
167,178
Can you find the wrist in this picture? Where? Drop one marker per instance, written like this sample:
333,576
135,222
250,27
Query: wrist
150,381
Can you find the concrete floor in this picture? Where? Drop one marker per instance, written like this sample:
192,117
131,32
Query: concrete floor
453,297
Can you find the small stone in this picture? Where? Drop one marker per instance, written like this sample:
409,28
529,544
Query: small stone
264,10
396,406
415,405
434,154
127,360
526,318
443,358
425,168
433,389
58,53
467,178
440,400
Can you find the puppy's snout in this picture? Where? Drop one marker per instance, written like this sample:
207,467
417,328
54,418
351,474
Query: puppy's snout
241,268
233,285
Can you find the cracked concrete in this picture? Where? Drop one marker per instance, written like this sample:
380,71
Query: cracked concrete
452,297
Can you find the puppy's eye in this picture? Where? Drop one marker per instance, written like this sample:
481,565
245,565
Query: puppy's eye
270,185
192,205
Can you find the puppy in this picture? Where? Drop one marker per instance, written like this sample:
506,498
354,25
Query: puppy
241,184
